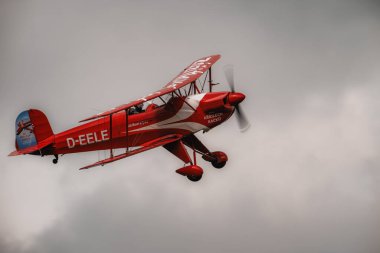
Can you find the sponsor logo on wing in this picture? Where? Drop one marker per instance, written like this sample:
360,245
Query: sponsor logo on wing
197,67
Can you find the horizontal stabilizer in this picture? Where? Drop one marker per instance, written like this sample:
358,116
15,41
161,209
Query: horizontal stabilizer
34,148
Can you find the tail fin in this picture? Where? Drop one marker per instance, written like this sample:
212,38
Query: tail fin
33,132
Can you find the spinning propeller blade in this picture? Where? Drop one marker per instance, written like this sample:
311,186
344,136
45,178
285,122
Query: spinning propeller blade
229,73
241,118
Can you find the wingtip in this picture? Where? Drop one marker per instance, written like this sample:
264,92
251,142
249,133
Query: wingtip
90,166
86,167
84,120
14,153
88,119
215,56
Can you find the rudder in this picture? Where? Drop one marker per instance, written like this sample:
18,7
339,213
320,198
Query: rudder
32,127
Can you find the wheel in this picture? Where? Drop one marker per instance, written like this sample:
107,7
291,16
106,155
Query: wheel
218,165
194,178
55,160
218,159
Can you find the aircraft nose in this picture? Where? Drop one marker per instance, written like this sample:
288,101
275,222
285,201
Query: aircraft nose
234,98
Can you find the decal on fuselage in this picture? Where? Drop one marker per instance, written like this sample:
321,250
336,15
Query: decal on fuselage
138,123
89,138
212,118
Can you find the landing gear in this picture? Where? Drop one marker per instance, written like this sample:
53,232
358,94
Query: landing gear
192,172
218,159
55,160
194,178
218,165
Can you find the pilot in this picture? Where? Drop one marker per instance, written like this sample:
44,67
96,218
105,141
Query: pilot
136,109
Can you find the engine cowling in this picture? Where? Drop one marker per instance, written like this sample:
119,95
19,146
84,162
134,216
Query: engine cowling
213,101
218,100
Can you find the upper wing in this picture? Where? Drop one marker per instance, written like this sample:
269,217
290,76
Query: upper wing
188,75
146,146
192,72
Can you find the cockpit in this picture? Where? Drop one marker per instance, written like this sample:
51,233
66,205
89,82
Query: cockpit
155,104
144,107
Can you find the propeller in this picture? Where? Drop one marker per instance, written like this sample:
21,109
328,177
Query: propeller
241,118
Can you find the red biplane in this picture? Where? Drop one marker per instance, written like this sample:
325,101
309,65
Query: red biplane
169,117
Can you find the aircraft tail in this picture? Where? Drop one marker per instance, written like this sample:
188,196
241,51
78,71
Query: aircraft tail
33,132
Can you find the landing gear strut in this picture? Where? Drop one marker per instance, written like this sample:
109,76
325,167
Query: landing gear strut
55,160
193,172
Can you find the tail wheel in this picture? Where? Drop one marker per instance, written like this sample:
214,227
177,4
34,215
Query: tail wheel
194,178
55,160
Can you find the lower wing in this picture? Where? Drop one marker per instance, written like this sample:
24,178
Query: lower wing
144,147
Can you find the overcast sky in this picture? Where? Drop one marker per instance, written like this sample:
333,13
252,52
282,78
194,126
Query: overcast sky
304,178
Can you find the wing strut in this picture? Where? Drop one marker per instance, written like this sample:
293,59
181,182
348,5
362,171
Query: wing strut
195,88
111,150
126,129
210,79
184,100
